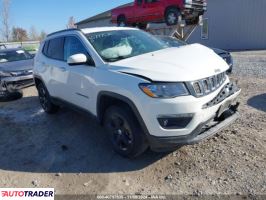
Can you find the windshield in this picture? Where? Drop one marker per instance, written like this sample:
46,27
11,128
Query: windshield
171,42
16,55
117,45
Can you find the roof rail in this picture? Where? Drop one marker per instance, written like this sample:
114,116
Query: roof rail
62,31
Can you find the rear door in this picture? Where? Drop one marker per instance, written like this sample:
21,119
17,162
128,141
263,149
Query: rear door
54,70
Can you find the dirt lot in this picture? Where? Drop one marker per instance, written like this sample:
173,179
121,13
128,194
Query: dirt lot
70,152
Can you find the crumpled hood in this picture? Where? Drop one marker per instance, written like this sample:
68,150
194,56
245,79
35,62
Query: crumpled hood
17,65
187,63
219,51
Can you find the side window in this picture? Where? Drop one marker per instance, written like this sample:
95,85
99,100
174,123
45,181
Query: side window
74,46
45,48
205,29
139,2
56,49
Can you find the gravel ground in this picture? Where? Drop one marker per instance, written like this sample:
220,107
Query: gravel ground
70,152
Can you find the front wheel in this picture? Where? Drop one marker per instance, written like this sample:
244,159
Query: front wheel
171,16
45,100
125,134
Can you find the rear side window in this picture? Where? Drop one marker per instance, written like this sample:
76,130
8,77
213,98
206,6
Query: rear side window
55,48
45,48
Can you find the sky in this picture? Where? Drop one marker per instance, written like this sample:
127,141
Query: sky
53,15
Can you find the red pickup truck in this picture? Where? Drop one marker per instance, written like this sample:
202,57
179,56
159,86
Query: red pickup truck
142,12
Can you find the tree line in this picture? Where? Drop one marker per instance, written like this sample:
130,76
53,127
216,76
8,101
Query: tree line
16,34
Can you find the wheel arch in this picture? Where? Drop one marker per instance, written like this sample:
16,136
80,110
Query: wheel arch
38,80
121,15
106,99
171,7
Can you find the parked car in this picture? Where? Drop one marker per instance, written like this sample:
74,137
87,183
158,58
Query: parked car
142,12
174,42
144,93
16,72
2,46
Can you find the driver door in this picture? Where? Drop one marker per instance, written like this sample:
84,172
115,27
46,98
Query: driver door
80,79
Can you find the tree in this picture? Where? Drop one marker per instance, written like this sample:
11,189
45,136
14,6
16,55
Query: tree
33,35
42,35
19,34
71,23
5,12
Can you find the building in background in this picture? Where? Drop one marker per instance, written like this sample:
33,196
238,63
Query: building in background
228,24
233,24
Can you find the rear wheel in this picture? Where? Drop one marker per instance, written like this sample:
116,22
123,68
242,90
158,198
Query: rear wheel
45,100
121,21
124,131
171,16
192,21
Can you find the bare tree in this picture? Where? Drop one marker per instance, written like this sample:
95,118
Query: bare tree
19,34
71,23
5,12
42,35
33,35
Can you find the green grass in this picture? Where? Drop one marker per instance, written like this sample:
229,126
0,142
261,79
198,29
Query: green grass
31,47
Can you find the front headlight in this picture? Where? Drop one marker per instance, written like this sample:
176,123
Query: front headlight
5,74
164,90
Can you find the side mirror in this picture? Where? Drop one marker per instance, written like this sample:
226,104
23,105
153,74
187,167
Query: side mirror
77,59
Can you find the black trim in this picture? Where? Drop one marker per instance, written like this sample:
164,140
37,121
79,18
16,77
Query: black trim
61,102
37,77
199,134
82,95
127,101
62,31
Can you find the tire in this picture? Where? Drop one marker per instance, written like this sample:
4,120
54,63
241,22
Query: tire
11,96
121,21
142,26
193,21
124,131
171,16
45,100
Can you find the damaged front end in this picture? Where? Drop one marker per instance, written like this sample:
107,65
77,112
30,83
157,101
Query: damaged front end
11,82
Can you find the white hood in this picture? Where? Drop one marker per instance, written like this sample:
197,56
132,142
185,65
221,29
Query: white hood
187,63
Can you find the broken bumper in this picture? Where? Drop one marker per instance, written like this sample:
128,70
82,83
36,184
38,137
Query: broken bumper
223,117
202,132
13,84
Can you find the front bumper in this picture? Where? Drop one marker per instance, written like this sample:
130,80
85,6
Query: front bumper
209,110
202,132
13,84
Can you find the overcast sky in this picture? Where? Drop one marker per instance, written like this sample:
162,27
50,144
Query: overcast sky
53,15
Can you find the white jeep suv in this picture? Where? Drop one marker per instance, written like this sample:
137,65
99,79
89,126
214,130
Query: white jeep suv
143,92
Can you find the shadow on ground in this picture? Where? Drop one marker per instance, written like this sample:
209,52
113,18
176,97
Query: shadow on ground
67,142
258,102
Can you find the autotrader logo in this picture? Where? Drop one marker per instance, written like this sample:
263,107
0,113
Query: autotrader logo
27,193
